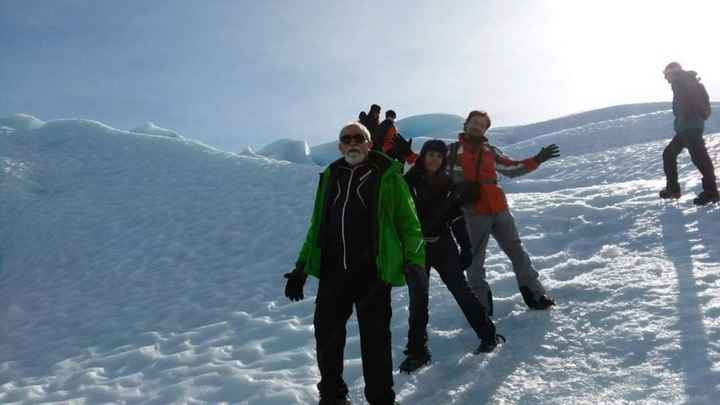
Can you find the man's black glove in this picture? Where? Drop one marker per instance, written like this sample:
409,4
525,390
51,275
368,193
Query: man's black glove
402,148
295,283
546,153
466,192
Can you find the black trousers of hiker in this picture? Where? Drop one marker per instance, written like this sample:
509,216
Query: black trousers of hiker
442,255
691,139
339,290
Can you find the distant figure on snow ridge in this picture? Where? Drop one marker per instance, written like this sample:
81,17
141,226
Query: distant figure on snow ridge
371,120
691,107
474,164
364,237
387,139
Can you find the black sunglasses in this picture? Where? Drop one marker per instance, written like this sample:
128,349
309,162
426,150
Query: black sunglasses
352,138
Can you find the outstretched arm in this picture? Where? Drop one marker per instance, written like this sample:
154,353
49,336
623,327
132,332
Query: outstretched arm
512,168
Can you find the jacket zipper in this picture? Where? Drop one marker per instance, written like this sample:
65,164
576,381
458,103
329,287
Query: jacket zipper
342,219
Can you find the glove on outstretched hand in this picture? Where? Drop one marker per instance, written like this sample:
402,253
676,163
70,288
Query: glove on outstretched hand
295,283
546,153
401,146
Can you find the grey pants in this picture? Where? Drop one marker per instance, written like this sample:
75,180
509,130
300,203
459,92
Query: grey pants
502,228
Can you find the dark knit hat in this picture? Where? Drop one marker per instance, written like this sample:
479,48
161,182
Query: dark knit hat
374,108
435,145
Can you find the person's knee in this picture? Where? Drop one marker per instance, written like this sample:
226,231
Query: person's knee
670,153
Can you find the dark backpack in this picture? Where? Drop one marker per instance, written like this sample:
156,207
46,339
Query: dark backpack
704,101
700,98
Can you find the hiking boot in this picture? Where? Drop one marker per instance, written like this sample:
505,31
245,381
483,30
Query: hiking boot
540,303
488,345
669,194
705,198
414,361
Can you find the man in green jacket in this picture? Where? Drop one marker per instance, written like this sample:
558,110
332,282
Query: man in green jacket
364,238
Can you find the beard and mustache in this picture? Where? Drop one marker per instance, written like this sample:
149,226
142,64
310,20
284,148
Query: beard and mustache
354,156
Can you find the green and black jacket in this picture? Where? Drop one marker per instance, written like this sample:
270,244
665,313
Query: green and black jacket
395,229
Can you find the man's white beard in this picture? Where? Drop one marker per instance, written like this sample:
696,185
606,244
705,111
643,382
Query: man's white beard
353,157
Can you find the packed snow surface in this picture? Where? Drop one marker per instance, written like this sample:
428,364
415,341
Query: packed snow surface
139,269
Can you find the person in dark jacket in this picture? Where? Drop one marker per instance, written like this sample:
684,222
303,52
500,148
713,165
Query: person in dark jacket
371,121
441,219
387,139
364,237
385,130
691,107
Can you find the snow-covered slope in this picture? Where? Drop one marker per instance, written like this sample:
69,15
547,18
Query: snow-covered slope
430,126
580,133
21,122
325,153
509,135
290,150
598,136
152,129
146,269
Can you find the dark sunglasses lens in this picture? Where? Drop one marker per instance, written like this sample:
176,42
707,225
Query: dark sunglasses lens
356,138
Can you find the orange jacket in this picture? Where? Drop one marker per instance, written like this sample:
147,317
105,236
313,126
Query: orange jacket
481,164
389,143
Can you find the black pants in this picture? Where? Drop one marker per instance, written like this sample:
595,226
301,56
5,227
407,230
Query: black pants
443,256
692,140
338,291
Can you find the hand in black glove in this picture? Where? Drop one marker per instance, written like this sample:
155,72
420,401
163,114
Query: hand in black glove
546,153
466,192
295,283
466,258
402,147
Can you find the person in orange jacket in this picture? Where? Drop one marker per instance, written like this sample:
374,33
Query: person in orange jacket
474,164
387,139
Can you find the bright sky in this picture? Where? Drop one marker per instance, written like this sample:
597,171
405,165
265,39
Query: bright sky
245,72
